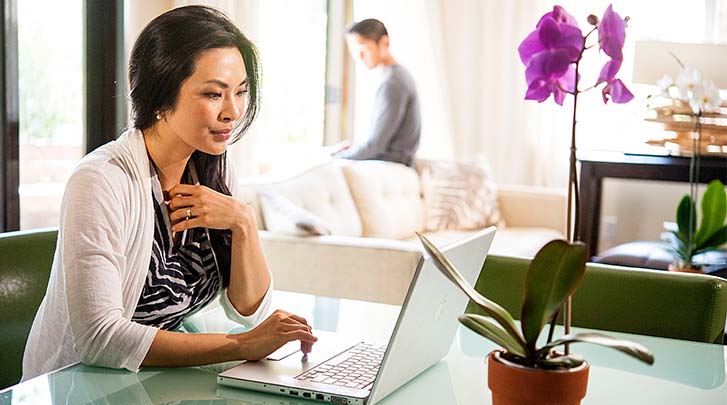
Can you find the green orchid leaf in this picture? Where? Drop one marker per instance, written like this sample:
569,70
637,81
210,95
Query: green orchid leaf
565,361
683,218
714,211
715,241
491,308
553,275
633,349
491,330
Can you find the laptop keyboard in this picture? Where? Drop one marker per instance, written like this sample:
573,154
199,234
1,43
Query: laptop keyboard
354,368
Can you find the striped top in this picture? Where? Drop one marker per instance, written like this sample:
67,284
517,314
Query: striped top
181,278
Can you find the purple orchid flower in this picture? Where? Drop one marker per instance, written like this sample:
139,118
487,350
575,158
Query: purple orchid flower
550,72
614,87
612,34
611,37
555,30
560,16
608,71
617,91
550,54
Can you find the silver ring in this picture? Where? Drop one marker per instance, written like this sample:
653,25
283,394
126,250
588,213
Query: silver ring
189,212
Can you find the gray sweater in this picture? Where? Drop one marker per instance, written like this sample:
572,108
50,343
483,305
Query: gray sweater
396,125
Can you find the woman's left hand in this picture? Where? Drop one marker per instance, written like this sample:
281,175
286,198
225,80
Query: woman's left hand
197,206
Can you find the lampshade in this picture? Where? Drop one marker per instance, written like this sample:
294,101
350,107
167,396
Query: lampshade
652,60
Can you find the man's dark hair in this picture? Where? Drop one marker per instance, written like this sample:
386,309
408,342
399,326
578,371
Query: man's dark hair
369,28
163,57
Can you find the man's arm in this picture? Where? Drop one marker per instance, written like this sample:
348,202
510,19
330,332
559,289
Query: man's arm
390,107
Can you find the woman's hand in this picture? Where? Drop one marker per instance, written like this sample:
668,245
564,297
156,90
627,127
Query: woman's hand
197,206
278,329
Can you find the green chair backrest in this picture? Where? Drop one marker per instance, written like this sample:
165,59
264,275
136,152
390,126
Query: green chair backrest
25,264
623,299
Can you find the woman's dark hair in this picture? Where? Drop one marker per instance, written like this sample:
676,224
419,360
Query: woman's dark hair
163,57
369,28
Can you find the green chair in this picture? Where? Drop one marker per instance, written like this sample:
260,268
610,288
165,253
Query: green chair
623,299
25,263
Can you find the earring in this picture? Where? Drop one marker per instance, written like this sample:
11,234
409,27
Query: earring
158,115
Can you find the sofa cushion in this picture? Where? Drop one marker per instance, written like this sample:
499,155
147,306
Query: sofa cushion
282,216
387,196
323,192
457,196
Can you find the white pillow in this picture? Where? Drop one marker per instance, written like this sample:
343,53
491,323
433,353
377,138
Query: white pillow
282,216
458,196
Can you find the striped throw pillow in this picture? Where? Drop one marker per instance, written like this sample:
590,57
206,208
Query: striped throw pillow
457,196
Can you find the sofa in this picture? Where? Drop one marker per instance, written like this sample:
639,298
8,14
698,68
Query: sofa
369,212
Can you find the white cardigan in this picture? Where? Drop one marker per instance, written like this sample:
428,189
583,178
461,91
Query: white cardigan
101,260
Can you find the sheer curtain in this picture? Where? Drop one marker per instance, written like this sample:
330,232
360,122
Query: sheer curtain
521,140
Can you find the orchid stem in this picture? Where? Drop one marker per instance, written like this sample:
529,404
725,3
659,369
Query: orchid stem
679,61
694,162
572,233
589,34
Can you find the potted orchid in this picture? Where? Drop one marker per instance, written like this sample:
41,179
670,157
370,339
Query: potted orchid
552,55
550,376
694,99
685,241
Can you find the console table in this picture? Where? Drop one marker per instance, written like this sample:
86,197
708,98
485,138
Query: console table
595,166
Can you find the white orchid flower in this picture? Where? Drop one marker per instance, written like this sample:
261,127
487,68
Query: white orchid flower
705,98
664,84
688,81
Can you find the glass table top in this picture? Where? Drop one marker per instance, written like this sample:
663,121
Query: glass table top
683,373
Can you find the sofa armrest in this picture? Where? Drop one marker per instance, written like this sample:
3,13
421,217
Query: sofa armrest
527,206
369,269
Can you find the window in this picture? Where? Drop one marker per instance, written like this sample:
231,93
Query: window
51,104
293,51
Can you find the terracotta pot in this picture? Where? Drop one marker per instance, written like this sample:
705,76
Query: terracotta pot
513,384
674,267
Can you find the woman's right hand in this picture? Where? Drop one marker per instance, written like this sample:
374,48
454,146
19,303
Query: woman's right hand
278,329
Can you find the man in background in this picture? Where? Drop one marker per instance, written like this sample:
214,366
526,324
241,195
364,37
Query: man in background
396,125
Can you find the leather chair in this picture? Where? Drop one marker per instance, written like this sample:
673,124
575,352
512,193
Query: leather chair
25,264
623,299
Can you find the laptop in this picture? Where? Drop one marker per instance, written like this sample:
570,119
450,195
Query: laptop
342,370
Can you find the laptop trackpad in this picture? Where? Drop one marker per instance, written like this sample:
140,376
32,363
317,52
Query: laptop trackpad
286,350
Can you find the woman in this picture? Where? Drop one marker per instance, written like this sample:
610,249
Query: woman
150,231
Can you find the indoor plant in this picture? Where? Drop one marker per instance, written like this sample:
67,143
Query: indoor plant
693,99
686,241
553,377
552,55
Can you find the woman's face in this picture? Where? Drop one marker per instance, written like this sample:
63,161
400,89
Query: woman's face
210,101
